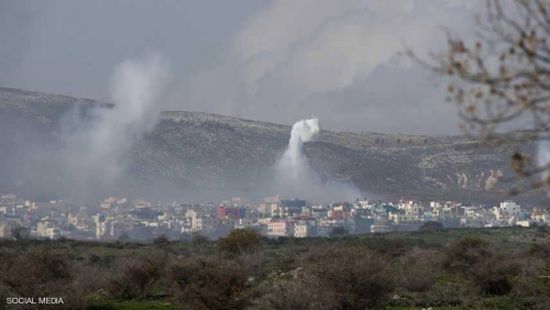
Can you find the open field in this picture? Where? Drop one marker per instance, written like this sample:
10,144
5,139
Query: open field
499,268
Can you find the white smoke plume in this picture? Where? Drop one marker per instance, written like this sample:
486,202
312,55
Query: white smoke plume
296,179
96,153
293,162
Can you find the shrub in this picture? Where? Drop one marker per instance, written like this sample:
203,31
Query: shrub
294,294
208,283
240,241
493,276
431,226
135,280
443,295
532,279
252,263
35,272
338,231
541,250
197,239
358,277
498,284
161,240
41,271
388,247
463,253
418,270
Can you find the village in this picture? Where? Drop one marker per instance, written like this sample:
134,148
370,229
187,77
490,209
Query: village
121,219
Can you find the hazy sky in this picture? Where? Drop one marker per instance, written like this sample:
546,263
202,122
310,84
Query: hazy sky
281,61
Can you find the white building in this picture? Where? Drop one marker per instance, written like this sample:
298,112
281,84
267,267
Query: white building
510,207
198,220
280,228
507,211
524,223
47,228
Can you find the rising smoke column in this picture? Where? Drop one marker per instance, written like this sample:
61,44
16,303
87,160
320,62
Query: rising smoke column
295,178
293,163
97,150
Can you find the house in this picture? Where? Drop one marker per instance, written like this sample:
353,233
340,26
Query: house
48,228
305,228
280,228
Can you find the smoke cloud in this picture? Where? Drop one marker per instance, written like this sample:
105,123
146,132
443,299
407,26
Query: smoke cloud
293,163
295,178
340,60
96,150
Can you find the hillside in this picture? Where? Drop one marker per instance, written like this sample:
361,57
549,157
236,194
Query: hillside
192,151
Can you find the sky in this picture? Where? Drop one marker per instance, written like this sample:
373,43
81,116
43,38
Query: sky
272,60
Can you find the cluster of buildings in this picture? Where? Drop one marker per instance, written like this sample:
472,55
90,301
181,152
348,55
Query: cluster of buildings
118,219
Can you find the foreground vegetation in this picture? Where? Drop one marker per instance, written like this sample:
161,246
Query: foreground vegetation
500,268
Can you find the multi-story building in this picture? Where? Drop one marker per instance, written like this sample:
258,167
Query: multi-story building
280,228
48,228
305,228
507,213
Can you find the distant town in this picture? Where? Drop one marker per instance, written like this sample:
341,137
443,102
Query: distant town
121,219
